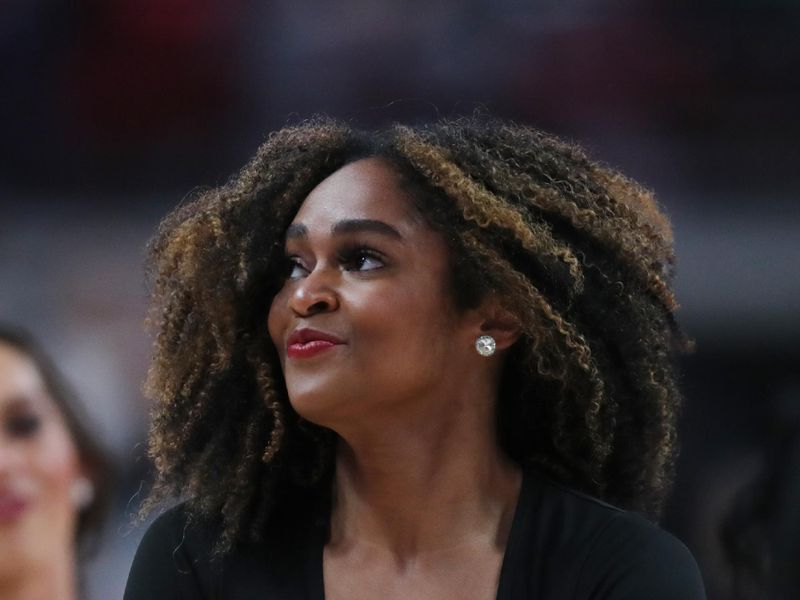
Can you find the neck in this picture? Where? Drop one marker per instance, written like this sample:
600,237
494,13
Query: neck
55,580
428,486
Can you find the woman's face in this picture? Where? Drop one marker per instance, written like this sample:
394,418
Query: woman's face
364,323
38,467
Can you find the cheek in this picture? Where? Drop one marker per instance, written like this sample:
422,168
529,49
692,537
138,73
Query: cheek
406,324
55,466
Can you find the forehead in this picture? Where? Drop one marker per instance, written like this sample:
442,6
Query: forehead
369,188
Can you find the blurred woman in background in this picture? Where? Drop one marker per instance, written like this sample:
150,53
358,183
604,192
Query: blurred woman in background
53,477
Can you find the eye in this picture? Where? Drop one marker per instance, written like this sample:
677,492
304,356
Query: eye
362,259
293,268
23,425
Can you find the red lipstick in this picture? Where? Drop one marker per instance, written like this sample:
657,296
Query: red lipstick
305,343
11,508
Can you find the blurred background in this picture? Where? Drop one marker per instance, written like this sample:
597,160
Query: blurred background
112,111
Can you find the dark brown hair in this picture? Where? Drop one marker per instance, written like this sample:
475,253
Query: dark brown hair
578,253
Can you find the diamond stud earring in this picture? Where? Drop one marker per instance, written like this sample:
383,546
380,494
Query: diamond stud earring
485,345
82,493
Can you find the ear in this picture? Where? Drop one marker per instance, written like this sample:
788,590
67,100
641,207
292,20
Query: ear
499,323
82,492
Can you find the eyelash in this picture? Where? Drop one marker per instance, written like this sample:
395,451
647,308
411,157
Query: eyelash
351,255
347,258
23,426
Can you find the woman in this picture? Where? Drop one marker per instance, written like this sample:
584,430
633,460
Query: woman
53,477
423,363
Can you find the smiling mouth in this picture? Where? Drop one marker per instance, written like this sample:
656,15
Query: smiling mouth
11,508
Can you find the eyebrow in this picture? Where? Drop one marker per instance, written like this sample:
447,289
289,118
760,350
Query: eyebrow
20,400
298,230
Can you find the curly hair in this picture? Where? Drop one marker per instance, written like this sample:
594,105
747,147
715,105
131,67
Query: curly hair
580,256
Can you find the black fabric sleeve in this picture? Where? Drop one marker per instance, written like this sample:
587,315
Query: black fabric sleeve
162,567
638,561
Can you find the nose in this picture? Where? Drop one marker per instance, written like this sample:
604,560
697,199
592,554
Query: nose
314,294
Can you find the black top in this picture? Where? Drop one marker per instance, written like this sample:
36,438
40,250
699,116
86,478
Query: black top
563,545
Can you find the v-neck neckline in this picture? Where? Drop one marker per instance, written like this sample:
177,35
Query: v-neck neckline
315,575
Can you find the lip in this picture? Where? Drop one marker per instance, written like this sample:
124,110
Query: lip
306,342
12,507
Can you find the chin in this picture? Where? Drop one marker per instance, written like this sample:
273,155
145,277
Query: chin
319,406
24,542
315,412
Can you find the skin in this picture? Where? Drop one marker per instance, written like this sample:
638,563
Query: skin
38,464
424,496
